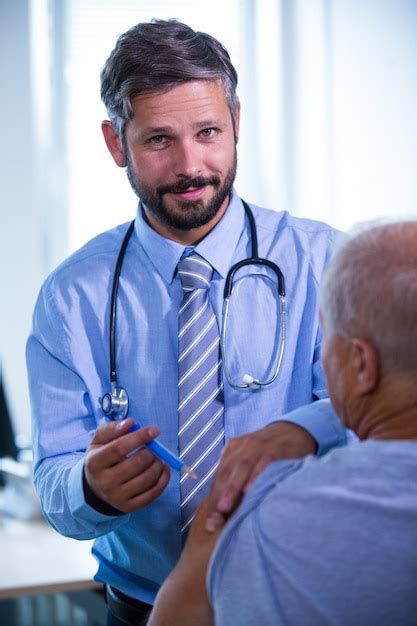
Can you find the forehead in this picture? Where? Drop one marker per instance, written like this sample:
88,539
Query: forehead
199,99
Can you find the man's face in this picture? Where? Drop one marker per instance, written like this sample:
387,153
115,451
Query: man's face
180,153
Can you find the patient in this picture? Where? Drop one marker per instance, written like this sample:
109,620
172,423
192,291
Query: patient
329,540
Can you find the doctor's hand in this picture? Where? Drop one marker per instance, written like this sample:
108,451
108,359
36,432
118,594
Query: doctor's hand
119,473
244,458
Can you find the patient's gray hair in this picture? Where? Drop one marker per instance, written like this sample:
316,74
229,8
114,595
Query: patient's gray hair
369,290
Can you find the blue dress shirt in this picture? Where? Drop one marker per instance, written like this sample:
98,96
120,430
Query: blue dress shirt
68,365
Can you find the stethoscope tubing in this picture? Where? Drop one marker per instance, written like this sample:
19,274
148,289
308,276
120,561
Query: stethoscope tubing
113,301
118,399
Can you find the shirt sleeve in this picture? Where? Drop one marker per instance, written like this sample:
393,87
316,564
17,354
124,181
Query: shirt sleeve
321,421
62,419
59,483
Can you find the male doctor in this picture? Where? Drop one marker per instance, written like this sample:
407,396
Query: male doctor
174,115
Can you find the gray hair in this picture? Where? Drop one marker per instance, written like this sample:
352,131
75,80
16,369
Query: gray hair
369,290
154,57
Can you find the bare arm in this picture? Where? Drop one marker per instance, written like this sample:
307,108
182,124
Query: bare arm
182,599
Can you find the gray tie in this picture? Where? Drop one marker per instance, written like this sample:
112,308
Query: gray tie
200,387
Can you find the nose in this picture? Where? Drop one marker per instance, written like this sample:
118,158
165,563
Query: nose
187,160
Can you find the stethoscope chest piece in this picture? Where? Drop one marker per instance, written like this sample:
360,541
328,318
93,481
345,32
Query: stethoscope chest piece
115,405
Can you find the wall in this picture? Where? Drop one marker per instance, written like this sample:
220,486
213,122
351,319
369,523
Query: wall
21,262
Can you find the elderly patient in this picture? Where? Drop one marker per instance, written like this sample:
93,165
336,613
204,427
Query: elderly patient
330,540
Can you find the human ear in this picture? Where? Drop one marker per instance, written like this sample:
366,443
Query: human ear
113,143
366,365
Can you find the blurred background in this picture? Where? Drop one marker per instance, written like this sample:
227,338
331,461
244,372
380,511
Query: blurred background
329,128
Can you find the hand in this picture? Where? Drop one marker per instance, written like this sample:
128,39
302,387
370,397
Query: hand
244,458
120,471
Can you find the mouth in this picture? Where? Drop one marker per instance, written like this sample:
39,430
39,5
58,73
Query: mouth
192,193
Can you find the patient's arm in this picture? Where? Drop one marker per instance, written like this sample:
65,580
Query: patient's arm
182,599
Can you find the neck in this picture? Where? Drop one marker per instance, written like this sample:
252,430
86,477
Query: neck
391,412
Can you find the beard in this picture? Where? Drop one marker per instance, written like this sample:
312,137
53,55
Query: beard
187,214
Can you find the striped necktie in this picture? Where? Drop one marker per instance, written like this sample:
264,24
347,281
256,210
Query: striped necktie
200,387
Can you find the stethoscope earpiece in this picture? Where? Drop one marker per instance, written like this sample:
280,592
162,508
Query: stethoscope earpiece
251,382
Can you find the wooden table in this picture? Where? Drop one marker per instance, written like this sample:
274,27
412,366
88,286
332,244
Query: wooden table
34,559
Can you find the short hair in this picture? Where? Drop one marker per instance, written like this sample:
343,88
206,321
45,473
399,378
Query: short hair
369,290
155,56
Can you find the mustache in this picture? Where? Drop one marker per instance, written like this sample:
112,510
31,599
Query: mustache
186,183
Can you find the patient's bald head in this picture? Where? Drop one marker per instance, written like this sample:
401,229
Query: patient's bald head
370,291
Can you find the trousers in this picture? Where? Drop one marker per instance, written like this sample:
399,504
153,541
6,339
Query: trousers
124,610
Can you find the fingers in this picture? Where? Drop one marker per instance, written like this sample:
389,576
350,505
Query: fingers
115,448
136,464
236,467
143,498
111,430
215,522
120,470
258,469
115,440
145,481
231,489
233,473
198,535
143,489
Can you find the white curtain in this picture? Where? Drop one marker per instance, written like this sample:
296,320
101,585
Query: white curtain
330,91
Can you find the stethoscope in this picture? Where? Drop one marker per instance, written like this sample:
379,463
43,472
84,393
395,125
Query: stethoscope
115,405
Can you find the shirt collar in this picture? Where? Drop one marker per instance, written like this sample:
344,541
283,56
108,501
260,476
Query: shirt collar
217,247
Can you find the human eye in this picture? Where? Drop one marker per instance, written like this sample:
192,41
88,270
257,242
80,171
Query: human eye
208,133
157,140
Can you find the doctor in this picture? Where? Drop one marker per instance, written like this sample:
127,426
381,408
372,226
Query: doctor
173,124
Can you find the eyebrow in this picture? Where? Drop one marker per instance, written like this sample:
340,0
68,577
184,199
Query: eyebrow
163,130
156,130
210,123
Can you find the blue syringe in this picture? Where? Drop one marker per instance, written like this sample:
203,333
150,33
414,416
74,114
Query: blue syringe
163,453
166,455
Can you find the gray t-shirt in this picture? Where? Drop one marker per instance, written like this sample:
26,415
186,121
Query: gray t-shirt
317,542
